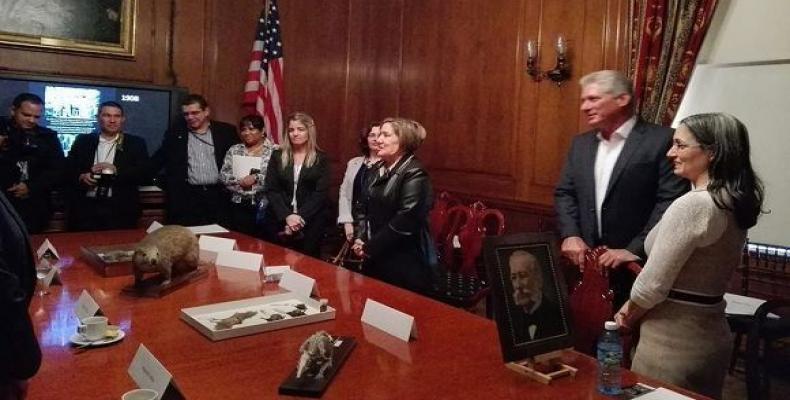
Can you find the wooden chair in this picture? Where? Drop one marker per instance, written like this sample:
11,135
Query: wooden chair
765,274
763,357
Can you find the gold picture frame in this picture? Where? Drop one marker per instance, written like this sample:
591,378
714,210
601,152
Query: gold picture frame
99,27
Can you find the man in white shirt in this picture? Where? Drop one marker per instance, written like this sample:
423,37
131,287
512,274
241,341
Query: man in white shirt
105,169
617,180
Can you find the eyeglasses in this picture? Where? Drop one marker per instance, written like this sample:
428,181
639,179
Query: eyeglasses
680,145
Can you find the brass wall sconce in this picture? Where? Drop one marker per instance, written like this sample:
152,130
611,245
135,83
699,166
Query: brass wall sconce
561,71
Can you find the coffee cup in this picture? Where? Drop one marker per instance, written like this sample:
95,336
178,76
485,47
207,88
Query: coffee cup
93,328
140,394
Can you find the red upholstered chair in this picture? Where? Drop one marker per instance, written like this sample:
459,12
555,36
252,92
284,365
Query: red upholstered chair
438,215
591,305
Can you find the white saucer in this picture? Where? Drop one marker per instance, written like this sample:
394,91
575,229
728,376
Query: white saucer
79,340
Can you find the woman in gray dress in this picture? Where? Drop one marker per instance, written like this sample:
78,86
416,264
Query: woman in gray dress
692,253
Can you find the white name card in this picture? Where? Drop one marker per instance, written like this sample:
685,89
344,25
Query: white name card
293,281
86,306
148,373
211,246
663,394
390,320
275,272
206,229
154,226
47,247
239,259
52,277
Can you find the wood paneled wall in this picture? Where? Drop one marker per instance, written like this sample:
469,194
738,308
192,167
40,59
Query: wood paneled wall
459,68
456,66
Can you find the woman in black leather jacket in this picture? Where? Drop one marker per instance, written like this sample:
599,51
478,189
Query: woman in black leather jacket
393,236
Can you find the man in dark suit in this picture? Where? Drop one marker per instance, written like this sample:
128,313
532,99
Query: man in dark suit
536,316
31,161
105,169
191,155
617,180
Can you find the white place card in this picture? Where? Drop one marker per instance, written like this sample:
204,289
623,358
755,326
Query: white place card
293,281
86,306
206,229
148,373
52,277
239,259
243,164
275,272
47,246
663,394
154,226
390,320
211,246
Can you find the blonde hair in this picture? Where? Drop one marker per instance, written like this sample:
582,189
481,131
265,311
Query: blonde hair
410,133
286,149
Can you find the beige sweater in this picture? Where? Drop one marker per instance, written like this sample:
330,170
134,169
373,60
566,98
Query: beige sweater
694,248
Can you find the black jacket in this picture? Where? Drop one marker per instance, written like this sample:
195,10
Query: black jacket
131,158
641,188
172,156
395,227
311,191
42,151
20,356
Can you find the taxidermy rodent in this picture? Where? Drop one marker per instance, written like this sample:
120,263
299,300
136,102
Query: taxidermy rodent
169,250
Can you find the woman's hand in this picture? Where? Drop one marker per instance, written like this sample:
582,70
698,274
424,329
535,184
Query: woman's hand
629,315
247,182
359,248
349,230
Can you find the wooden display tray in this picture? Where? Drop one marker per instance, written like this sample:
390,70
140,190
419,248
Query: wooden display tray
543,368
307,386
92,255
152,286
204,318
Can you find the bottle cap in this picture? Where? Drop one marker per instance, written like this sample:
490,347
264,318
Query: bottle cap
610,326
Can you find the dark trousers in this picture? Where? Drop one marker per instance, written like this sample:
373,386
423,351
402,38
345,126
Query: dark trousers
307,241
92,214
195,205
240,217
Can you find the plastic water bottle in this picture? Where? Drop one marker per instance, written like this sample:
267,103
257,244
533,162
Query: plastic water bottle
610,357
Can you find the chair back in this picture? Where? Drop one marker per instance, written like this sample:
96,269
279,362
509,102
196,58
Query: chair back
438,215
591,302
764,358
765,271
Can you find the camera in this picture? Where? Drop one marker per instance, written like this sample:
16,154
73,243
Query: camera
104,181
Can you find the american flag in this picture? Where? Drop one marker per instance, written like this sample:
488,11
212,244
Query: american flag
264,92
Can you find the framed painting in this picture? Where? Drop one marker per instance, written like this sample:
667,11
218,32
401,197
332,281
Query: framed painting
529,295
102,27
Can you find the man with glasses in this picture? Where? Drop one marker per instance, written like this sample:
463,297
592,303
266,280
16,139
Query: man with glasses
192,154
617,180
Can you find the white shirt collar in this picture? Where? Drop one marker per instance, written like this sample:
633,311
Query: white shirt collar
623,130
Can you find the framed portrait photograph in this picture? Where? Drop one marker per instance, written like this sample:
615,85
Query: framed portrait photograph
529,295
101,27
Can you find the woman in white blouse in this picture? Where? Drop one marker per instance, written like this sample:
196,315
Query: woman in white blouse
354,189
248,198
692,253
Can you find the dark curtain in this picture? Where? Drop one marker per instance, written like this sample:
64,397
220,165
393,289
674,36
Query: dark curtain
666,36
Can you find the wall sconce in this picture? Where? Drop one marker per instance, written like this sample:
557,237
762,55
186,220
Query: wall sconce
561,71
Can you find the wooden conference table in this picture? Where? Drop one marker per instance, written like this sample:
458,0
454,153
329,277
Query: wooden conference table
456,355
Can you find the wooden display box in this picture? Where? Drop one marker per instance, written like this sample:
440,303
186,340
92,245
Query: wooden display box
207,319
112,260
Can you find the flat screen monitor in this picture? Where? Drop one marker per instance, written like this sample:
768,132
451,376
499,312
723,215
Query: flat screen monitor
71,105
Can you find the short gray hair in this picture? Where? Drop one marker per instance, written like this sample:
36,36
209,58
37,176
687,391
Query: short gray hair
610,81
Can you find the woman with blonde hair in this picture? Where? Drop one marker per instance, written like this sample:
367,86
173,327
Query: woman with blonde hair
297,182
393,235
